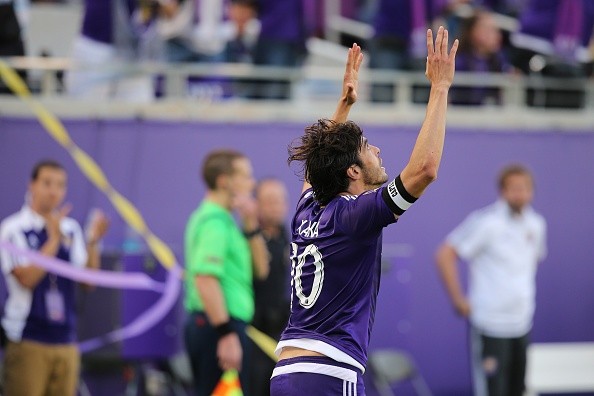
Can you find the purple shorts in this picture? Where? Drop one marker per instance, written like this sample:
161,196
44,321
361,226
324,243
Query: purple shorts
315,376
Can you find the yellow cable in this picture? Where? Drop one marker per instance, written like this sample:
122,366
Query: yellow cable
93,172
88,167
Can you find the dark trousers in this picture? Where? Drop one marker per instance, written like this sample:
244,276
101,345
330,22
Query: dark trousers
11,43
499,364
201,344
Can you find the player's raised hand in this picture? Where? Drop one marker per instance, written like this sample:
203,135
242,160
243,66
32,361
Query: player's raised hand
350,82
440,64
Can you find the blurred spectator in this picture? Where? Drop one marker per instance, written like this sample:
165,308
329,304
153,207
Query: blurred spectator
241,31
480,51
400,40
114,32
455,12
192,30
552,41
503,245
281,43
271,294
209,31
42,357
11,40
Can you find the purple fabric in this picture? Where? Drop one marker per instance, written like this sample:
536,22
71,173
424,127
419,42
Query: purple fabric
400,18
393,19
418,15
568,28
338,246
301,383
38,326
547,18
282,20
98,19
313,15
418,44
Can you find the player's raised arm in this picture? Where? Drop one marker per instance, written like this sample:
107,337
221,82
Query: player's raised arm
424,161
350,83
348,96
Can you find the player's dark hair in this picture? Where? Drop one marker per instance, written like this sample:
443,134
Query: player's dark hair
512,170
217,163
46,163
326,151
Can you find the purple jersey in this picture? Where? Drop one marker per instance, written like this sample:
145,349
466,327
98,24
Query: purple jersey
335,268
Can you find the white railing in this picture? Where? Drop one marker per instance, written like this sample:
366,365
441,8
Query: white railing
316,87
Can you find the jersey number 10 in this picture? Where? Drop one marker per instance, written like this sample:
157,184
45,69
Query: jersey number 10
298,261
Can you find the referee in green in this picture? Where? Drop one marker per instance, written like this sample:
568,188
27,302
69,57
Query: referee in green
221,258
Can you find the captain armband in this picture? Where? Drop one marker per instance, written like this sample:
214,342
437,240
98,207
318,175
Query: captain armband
396,197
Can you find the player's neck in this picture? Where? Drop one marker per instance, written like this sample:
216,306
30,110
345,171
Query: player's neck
221,198
355,188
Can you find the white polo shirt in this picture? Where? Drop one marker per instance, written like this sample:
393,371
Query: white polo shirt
503,250
25,311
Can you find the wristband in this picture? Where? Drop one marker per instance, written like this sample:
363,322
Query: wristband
253,233
224,328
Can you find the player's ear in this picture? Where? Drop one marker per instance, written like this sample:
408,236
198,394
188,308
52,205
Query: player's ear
354,172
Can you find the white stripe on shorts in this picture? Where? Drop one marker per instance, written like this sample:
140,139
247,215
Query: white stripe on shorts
333,371
349,388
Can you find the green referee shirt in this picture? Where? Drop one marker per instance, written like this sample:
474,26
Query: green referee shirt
215,246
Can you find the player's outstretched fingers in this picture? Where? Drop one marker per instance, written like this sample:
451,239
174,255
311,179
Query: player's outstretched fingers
438,41
349,61
453,50
444,45
430,48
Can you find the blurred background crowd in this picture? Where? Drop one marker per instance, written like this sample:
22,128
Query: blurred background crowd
535,38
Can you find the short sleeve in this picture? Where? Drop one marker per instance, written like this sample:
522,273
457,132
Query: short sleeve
207,253
78,250
306,198
9,260
470,237
365,214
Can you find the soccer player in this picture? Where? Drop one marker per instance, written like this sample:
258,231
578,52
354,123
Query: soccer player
337,234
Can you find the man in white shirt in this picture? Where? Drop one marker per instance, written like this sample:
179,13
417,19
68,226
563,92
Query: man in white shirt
41,357
503,244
